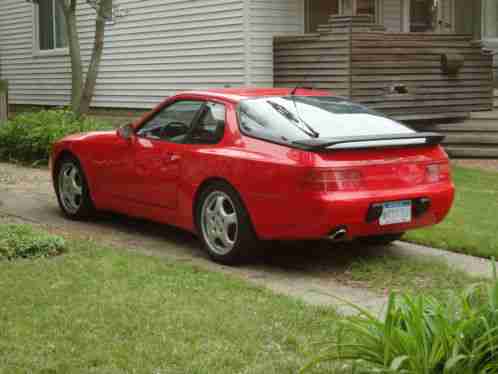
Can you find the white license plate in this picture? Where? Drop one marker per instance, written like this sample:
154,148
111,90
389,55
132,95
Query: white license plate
396,212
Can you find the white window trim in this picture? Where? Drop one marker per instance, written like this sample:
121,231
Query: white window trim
36,38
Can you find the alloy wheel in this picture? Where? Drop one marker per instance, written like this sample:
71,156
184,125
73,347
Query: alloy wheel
219,222
70,187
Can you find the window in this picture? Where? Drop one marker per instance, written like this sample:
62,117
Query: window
50,25
173,123
424,15
211,125
490,19
287,119
366,7
319,12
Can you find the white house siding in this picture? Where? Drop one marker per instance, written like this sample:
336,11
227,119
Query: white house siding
267,18
159,48
392,14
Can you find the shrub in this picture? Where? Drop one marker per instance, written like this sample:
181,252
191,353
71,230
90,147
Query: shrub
423,335
21,241
29,137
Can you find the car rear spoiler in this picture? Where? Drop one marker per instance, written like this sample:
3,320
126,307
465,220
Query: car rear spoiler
316,144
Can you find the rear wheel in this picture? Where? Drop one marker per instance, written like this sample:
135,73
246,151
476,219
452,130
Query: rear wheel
224,225
72,189
381,239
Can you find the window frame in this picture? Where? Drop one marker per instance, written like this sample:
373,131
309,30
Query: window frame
64,51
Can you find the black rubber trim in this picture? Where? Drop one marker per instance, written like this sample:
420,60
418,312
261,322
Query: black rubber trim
431,138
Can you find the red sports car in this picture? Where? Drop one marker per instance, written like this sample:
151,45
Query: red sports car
240,165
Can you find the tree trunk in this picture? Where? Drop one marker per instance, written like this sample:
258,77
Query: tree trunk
98,49
69,7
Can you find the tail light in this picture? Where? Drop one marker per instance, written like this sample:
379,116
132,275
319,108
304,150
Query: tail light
333,180
440,172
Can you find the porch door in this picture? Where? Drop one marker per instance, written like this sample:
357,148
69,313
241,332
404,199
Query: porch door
318,13
432,16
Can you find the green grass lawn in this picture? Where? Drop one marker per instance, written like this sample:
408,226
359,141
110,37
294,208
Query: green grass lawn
96,309
472,225
100,310
415,276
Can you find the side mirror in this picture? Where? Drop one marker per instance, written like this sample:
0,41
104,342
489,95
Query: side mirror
125,131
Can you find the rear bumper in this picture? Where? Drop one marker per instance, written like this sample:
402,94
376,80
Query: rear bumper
318,216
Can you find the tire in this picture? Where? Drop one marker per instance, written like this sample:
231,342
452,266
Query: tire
381,239
223,224
72,191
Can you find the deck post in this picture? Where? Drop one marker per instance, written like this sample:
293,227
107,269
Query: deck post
4,100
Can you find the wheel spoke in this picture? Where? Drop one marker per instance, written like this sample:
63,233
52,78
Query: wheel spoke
74,177
219,205
229,220
225,239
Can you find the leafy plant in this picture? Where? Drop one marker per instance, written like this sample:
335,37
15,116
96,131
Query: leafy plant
20,241
423,335
29,137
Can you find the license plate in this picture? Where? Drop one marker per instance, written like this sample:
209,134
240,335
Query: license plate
396,212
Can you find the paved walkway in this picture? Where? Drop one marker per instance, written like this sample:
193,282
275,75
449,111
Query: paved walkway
305,271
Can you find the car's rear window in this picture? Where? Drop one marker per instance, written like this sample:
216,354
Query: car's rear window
292,118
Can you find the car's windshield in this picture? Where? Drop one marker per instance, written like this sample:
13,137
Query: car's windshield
291,118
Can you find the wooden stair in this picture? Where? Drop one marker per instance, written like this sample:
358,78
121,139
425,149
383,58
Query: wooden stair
476,137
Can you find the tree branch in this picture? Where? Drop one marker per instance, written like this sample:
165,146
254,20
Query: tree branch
98,48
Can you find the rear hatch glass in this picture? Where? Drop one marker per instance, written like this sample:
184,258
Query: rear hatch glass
289,119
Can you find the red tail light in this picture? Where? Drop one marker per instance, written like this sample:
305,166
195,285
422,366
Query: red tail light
334,180
440,172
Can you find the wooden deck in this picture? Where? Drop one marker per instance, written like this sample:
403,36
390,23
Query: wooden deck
399,74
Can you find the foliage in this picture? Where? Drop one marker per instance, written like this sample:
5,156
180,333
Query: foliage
29,136
424,335
20,241
471,227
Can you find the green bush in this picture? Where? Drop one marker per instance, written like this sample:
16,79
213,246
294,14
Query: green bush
423,335
29,136
21,241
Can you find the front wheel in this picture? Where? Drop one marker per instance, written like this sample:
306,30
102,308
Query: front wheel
224,225
72,189
381,239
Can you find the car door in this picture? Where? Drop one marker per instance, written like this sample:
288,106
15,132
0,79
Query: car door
157,154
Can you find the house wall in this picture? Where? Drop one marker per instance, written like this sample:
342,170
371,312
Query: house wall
159,48
267,19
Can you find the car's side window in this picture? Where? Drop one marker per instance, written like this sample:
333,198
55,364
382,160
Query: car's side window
173,123
210,127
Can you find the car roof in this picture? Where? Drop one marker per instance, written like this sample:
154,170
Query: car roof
238,94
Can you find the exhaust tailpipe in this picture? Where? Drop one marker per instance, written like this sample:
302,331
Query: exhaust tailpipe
338,233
